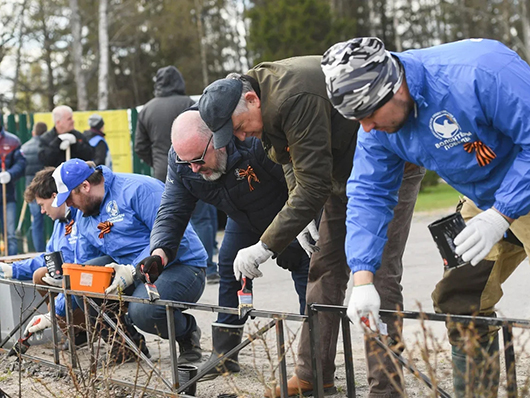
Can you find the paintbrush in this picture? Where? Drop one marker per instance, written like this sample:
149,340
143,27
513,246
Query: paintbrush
245,299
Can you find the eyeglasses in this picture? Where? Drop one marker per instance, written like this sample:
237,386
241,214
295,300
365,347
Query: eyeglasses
198,161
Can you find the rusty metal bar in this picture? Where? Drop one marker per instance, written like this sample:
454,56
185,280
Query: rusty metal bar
172,347
509,358
280,342
316,360
348,357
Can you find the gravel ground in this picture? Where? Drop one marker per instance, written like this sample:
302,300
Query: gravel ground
275,291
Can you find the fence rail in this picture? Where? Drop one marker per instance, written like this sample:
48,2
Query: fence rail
174,388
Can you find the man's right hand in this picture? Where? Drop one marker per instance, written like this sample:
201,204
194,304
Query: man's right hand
291,258
6,271
38,323
67,140
152,266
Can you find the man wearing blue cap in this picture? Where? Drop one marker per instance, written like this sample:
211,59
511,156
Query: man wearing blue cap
460,109
119,212
284,103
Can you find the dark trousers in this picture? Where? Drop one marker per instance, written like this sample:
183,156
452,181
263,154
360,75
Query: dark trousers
328,279
235,239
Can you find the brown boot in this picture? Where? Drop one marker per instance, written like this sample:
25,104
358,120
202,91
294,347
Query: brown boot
297,387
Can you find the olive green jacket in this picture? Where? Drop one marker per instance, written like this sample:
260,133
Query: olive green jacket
302,131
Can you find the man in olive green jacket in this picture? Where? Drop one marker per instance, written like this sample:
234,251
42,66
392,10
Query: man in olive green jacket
285,104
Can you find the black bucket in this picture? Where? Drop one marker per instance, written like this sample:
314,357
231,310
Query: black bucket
54,263
186,373
444,232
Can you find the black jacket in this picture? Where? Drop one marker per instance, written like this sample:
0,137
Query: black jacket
252,208
14,161
153,129
51,155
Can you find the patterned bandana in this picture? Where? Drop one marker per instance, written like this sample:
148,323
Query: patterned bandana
361,76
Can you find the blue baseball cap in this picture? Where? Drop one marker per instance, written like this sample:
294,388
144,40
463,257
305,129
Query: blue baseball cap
68,176
216,105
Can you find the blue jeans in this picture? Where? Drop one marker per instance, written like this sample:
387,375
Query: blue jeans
235,239
178,282
12,247
37,227
204,222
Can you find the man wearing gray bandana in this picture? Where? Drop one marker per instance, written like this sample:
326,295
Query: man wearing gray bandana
284,103
461,109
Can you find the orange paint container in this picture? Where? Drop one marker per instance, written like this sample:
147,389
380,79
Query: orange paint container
88,278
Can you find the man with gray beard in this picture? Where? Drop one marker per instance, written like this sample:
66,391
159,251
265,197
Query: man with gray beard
240,180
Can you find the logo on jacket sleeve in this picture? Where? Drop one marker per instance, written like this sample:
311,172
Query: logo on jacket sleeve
445,127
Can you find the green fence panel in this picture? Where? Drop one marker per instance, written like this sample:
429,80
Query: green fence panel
139,166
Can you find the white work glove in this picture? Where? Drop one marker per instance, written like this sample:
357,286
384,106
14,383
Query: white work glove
6,271
67,140
364,303
38,323
303,238
5,177
479,236
123,277
248,260
52,281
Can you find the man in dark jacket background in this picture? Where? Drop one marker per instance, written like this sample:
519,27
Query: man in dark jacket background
153,130
54,143
30,149
15,163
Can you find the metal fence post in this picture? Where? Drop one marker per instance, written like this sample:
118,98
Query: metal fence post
509,357
280,342
172,347
348,357
316,358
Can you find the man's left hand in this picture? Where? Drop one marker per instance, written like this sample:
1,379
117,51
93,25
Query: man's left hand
123,277
480,235
5,177
291,258
248,260
6,271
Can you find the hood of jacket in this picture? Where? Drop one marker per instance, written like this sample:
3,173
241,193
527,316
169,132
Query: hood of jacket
169,81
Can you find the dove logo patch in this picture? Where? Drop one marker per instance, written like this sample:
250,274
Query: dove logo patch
445,127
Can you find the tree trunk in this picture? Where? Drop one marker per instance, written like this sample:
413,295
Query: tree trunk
526,29
13,102
200,31
77,46
103,79
47,44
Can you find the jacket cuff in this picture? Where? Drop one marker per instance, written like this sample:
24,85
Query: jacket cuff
357,265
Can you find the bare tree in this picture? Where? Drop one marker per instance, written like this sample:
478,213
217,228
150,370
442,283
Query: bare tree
21,25
103,80
77,46
200,31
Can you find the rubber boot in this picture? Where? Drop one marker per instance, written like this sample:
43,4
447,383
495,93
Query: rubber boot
479,374
224,338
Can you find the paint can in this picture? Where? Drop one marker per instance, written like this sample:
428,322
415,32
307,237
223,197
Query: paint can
444,232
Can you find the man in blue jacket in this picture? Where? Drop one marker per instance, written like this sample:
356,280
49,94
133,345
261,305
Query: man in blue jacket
460,109
64,238
15,164
240,180
119,212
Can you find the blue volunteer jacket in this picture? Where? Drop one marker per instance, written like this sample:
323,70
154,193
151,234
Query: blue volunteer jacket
64,238
131,203
470,125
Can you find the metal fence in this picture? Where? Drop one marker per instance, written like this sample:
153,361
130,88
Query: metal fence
174,388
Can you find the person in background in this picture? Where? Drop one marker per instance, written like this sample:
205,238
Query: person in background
54,143
96,139
14,164
153,129
30,149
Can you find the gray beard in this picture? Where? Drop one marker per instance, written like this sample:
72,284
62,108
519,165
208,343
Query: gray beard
222,158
